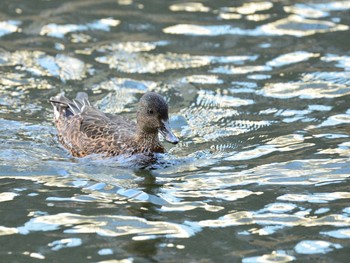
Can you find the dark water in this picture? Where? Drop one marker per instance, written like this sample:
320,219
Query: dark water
259,95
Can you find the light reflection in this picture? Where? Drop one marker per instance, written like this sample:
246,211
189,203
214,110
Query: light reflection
104,225
229,16
243,87
343,149
238,60
215,178
266,230
259,76
296,172
130,46
60,31
315,247
274,221
341,61
240,70
126,260
250,8
291,58
105,251
251,154
150,63
228,195
176,206
217,122
317,107
122,92
64,67
40,64
309,90
77,38
4,231
293,25
339,233
8,27
305,10
188,30
336,120
332,6
319,198
276,256
189,7
257,18
7,196
125,2
202,79
65,243
336,77
280,207
36,255
282,143
210,98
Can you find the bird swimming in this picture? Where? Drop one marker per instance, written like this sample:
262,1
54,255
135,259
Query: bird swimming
84,130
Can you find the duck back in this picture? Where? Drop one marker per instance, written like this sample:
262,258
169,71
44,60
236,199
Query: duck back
83,129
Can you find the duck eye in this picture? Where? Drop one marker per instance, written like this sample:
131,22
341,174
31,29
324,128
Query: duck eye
150,111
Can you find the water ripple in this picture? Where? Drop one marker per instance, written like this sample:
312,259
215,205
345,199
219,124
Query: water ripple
341,233
8,27
294,25
59,31
282,220
315,197
64,243
210,98
341,61
105,225
297,26
149,63
278,257
258,94
333,6
306,10
40,64
250,8
309,90
189,7
290,58
7,196
315,247
4,231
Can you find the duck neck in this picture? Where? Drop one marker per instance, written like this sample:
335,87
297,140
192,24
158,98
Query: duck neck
148,141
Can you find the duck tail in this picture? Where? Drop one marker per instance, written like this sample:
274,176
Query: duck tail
64,107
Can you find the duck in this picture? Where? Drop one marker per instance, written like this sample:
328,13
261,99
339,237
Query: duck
84,130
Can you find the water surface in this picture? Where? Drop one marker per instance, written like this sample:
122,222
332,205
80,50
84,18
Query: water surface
259,95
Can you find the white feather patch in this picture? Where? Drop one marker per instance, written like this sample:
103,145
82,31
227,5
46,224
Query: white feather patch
56,113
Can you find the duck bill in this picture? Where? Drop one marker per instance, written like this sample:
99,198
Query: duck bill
167,133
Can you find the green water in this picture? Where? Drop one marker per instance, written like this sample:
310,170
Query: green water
259,96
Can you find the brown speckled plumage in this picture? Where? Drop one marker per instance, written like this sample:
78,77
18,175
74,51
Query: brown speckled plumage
84,130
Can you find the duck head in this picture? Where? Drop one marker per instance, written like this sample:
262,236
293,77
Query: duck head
153,118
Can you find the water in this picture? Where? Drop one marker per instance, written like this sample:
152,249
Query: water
259,96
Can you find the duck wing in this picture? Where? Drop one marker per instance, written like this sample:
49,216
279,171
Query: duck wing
104,133
95,124
83,129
